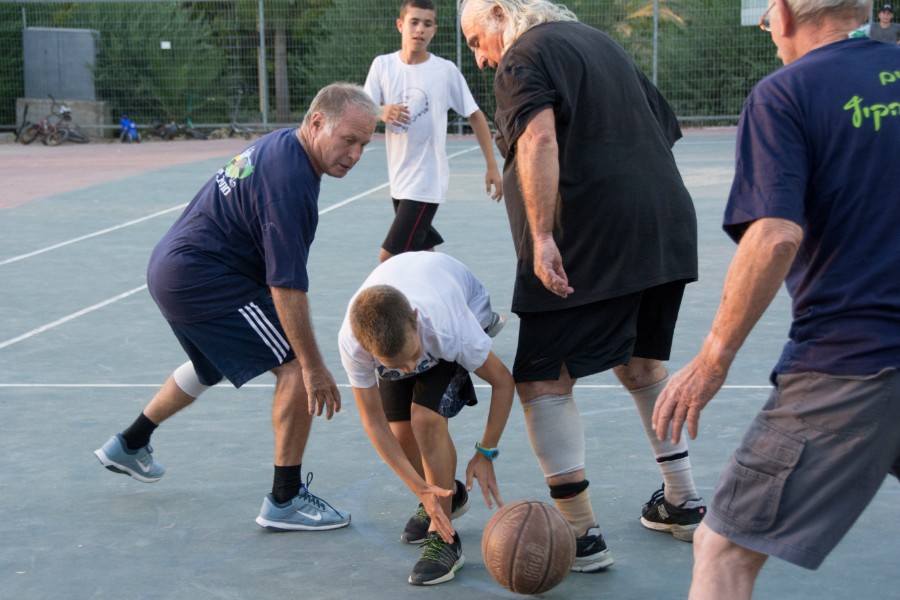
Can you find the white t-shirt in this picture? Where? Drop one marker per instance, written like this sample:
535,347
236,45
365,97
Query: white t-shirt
417,156
454,308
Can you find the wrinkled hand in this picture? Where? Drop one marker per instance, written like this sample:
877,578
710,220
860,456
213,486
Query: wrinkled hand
686,394
482,469
321,392
395,114
549,268
493,179
430,498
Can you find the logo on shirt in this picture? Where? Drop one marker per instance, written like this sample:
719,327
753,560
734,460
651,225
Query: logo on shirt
240,167
416,102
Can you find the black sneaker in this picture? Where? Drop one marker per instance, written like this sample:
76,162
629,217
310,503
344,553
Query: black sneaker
591,553
417,527
681,521
440,560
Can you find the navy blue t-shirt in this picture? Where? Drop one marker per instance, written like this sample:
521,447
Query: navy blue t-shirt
250,227
818,144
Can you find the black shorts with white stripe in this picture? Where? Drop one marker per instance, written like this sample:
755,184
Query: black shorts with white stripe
238,346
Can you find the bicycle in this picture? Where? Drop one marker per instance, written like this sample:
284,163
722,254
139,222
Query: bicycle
53,129
128,130
171,130
235,128
75,134
47,128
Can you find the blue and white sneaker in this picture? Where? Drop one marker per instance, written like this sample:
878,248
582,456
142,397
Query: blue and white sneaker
115,456
305,512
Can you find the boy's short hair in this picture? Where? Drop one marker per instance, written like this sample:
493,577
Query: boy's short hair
381,319
423,4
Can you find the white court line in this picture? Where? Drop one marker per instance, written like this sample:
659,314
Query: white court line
68,318
89,309
586,386
90,235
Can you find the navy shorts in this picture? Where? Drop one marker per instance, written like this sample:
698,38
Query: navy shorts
809,464
411,230
238,346
445,388
595,337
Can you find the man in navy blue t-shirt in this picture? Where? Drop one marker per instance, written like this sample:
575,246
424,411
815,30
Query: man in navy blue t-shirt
230,278
812,206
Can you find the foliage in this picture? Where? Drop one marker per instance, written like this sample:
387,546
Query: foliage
11,85
706,62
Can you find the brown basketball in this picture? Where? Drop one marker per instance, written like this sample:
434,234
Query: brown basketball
528,547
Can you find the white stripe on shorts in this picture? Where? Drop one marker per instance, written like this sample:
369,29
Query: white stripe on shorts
267,332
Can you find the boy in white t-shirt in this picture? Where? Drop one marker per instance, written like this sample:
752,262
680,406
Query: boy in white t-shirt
416,328
416,89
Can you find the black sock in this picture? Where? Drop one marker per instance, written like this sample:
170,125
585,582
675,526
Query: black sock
138,434
286,483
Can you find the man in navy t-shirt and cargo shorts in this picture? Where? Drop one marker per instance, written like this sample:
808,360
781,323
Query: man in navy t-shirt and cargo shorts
812,206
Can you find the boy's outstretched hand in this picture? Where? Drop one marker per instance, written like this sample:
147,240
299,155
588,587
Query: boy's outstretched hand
431,500
482,469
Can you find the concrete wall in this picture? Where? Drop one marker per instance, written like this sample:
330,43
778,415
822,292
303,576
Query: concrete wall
93,118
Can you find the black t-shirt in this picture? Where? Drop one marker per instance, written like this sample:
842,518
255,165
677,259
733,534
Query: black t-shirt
625,221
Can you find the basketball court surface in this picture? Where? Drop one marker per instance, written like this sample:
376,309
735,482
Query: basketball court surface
83,348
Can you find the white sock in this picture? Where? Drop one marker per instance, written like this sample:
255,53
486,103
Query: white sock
673,459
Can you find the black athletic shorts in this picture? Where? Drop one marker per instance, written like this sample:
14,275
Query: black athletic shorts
444,388
411,230
238,346
595,337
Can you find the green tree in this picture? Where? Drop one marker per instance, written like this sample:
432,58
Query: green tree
12,81
134,74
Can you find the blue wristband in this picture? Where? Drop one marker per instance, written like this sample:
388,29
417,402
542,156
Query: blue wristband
489,453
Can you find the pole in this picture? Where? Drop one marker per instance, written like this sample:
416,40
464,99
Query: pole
459,125
655,37
263,82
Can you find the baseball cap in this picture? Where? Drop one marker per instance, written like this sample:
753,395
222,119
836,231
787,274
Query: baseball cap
887,7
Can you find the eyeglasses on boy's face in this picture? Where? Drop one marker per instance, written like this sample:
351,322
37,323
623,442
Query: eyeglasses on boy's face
764,22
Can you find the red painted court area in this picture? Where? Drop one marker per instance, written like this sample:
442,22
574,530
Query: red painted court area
35,171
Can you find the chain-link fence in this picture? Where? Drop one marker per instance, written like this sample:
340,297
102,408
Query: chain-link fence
259,62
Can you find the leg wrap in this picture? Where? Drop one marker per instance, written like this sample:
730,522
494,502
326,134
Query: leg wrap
186,378
556,435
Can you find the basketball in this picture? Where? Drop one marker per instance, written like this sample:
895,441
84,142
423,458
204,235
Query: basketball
528,547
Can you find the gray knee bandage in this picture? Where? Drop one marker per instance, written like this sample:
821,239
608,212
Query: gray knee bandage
556,435
186,378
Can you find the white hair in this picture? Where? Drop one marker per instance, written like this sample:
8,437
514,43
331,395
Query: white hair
333,101
519,15
814,10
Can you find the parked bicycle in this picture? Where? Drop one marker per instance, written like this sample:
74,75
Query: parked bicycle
54,128
128,130
171,130
235,128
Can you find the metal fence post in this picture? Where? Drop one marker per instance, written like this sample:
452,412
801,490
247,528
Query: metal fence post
655,37
263,80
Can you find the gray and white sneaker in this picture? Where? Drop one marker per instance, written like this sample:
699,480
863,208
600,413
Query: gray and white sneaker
305,512
115,456
591,553
497,323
